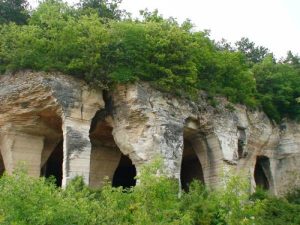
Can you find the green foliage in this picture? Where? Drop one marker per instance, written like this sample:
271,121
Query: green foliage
83,46
234,78
25,200
155,200
294,196
254,54
278,211
198,206
106,9
259,194
292,59
279,88
55,40
14,11
159,52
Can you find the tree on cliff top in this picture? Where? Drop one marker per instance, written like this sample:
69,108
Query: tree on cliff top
108,9
14,11
253,53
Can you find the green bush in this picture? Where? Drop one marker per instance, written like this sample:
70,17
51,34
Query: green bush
59,37
25,200
278,211
294,196
155,200
278,85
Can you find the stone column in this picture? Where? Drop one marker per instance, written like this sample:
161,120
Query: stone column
17,148
104,162
77,149
210,155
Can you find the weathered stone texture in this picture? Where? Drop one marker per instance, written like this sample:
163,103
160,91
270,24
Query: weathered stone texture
52,107
18,148
104,162
77,149
143,123
149,123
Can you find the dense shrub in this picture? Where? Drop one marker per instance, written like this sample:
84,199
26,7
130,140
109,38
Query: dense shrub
176,59
278,211
155,200
294,196
278,85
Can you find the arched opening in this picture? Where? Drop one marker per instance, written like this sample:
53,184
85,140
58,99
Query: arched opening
53,166
261,172
191,168
107,161
2,167
124,174
52,155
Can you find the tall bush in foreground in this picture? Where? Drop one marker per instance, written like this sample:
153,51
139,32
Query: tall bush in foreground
25,201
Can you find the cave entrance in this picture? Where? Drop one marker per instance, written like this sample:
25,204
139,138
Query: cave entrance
262,172
125,173
2,167
107,161
191,168
53,166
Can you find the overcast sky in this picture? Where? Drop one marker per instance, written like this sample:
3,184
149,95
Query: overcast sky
274,24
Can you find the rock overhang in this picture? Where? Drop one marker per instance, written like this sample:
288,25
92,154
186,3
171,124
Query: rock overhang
144,123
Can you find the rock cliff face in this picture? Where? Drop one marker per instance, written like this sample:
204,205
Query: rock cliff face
58,125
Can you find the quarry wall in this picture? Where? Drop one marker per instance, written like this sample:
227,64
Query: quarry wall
58,125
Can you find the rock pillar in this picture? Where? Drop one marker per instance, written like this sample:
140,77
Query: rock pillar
79,109
77,149
20,148
104,161
210,155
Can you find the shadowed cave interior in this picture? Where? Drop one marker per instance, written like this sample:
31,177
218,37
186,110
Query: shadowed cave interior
241,142
107,159
191,168
2,168
53,166
124,174
261,172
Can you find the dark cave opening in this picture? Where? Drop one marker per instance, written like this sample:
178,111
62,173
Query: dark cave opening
53,166
2,167
241,142
261,171
107,161
240,149
191,168
125,173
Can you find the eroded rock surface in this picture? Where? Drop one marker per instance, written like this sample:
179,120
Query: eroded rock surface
38,110
98,128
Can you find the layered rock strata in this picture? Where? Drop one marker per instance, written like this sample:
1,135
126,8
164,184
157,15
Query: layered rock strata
99,129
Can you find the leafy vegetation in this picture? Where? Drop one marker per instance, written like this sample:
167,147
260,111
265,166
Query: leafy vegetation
102,44
106,9
278,86
26,200
14,11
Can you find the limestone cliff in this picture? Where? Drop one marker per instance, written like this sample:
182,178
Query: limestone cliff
61,126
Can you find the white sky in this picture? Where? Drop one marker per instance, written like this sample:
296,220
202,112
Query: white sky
274,24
